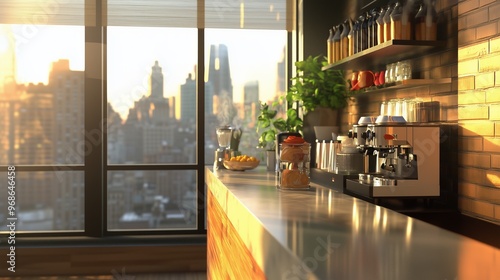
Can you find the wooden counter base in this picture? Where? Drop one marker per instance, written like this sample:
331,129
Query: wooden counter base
228,257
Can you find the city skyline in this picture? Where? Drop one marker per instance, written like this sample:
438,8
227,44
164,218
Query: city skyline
126,84
47,121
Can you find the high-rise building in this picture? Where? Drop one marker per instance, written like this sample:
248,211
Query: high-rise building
116,145
45,125
67,87
219,73
7,59
188,101
70,144
251,102
281,81
156,82
149,125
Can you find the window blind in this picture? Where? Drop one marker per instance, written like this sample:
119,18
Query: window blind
40,12
250,14
247,14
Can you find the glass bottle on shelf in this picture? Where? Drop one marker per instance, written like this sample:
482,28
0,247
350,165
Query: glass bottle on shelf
380,26
344,40
351,38
329,47
387,23
372,28
364,31
336,43
426,22
396,22
355,36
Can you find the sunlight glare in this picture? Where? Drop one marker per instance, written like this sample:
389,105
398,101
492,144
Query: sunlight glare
217,63
242,15
4,44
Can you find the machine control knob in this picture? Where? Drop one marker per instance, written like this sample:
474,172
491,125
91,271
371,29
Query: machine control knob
364,135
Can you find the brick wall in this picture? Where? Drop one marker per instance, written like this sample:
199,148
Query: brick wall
471,29
479,108
437,64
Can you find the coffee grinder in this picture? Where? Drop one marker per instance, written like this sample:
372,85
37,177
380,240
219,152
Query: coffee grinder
224,134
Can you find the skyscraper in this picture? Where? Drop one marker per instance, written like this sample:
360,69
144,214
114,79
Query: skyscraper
251,103
188,101
219,74
156,82
149,126
70,145
7,59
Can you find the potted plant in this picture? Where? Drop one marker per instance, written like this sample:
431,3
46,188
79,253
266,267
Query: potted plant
269,125
321,90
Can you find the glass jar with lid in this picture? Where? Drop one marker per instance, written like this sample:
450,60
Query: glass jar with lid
294,164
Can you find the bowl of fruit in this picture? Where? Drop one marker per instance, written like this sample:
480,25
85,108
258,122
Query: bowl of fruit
241,163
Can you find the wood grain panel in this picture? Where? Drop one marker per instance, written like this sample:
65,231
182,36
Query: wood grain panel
104,260
228,257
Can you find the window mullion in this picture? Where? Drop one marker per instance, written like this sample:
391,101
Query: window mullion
94,116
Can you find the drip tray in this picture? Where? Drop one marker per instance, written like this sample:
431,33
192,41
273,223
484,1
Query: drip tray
366,183
380,181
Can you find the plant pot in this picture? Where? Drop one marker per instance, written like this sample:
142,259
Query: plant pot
271,160
322,116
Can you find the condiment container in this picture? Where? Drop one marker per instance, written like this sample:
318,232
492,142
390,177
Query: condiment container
372,28
380,26
294,166
387,23
364,32
426,22
344,39
336,43
329,47
351,38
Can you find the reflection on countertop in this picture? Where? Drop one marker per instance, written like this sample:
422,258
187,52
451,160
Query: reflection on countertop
324,234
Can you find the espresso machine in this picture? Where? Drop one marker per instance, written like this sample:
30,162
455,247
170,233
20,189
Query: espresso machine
402,160
224,134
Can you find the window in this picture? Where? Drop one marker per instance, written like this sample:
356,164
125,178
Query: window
111,118
244,68
47,146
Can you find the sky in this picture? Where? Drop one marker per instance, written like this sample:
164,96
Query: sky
132,51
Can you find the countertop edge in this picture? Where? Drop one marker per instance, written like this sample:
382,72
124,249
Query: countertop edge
267,251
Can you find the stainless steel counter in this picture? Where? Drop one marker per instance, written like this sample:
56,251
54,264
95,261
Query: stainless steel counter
324,234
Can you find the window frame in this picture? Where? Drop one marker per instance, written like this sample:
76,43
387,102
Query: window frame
96,166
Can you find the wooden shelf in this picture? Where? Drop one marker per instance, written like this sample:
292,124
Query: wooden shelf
387,52
405,84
